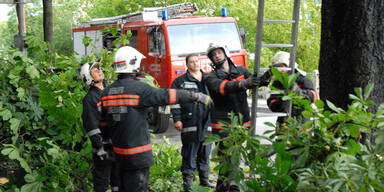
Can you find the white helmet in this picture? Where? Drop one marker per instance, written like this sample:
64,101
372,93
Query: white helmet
213,46
127,60
282,57
85,73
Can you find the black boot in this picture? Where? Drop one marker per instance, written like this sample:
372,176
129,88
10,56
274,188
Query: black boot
187,182
204,179
233,187
220,185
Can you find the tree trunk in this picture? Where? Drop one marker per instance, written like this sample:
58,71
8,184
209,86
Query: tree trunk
48,22
352,49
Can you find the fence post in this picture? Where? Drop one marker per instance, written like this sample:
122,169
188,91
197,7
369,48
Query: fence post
316,81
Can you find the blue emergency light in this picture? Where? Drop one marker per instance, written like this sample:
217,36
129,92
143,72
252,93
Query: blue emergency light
224,12
164,14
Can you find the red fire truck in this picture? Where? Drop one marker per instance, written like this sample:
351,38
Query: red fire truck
165,36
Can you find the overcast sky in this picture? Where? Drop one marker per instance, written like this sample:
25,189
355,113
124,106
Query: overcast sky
4,11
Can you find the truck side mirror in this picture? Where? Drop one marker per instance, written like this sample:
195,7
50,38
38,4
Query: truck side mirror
243,38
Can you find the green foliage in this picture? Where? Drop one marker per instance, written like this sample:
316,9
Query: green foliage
69,13
43,144
165,174
308,44
325,153
258,173
41,133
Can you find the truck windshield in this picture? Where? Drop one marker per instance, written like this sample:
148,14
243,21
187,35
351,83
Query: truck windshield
195,38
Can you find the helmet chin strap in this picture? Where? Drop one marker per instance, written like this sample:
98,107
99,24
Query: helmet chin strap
220,63
94,82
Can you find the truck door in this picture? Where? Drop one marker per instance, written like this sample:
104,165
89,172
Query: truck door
157,64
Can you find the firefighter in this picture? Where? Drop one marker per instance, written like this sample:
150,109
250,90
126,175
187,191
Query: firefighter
302,86
194,122
105,167
124,106
228,84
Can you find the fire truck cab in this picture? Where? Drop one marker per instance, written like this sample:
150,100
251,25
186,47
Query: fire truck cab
165,41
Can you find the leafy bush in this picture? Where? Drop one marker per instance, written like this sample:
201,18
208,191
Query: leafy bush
325,153
43,143
166,174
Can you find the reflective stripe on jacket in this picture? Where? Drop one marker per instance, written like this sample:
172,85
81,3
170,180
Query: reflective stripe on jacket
93,125
195,118
124,106
227,94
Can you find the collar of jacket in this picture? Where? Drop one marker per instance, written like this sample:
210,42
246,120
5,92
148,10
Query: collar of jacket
96,88
191,78
233,72
126,76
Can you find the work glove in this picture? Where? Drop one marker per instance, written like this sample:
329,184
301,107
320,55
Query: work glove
205,99
255,81
97,141
102,154
249,82
265,78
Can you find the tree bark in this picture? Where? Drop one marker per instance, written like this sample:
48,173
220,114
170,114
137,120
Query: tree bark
352,49
48,22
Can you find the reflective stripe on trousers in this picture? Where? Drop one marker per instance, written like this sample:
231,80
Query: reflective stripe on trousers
191,129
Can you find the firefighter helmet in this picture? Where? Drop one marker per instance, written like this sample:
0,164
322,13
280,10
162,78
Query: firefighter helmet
127,60
282,57
85,73
212,47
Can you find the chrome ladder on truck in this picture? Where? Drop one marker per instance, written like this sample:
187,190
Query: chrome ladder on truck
259,45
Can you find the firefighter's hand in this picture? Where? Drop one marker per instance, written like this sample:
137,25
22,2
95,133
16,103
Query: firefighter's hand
179,125
102,154
205,99
265,78
97,141
250,82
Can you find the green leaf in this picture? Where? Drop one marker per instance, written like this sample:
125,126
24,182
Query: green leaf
6,114
276,73
308,125
20,92
29,178
354,97
367,90
53,152
269,124
60,98
14,154
333,107
358,92
32,71
353,147
87,41
6,151
354,129
15,125
114,31
319,104
32,187
306,114
292,78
